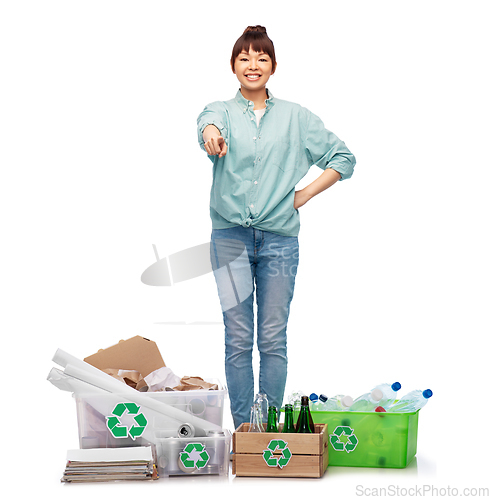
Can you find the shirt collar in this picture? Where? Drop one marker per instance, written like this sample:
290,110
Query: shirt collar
244,103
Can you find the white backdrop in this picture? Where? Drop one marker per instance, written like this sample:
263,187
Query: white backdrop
100,160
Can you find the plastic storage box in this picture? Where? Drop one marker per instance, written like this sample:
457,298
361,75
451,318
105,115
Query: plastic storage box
369,439
195,455
111,421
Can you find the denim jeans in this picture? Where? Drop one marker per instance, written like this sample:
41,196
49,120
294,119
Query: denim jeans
247,262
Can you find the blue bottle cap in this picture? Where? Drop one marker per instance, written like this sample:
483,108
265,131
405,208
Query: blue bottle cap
322,398
313,397
396,386
427,393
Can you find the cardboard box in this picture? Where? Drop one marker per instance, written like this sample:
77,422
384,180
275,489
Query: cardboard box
136,353
274,454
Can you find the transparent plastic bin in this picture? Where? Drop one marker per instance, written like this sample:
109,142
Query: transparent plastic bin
194,456
112,421
369,439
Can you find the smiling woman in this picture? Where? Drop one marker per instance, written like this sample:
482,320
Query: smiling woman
253,70
254,38
261,147
253,61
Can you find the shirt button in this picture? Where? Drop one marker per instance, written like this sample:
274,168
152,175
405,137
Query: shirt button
255,182
252,118
255,138
251,206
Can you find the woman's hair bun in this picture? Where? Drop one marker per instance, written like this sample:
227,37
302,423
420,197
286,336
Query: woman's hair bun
260,29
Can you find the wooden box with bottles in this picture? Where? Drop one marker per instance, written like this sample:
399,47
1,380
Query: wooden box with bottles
278,454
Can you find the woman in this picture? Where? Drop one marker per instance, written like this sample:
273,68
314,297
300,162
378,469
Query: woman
261,147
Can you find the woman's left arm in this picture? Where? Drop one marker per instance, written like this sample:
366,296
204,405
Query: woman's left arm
328,178
328,152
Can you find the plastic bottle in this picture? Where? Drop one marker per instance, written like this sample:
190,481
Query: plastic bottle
412,401
367,402
314,401
322,399
389,393
338,403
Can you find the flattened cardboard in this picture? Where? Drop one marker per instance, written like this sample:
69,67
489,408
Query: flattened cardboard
136,353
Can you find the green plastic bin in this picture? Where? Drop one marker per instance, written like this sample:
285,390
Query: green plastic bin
369,439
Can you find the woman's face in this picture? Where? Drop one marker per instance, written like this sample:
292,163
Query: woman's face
253,69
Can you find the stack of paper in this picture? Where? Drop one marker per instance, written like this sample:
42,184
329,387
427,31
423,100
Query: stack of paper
109,464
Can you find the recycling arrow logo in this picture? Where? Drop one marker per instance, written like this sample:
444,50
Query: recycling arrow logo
194,456
339,445
276,461
121,431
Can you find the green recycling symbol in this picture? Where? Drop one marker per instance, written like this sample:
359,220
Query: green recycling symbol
274,461
199,457
339,445
121,431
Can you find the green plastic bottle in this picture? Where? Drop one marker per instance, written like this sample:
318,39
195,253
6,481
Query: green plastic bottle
303,425
288,419
272,419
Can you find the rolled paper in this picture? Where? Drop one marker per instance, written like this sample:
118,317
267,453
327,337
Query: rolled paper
63,358
100,400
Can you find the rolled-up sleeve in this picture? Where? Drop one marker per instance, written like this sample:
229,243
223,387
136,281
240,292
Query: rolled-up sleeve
326,150
213,114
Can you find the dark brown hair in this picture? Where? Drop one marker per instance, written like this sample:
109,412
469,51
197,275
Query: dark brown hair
255,37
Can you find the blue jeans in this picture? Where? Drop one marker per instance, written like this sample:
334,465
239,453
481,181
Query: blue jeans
247,260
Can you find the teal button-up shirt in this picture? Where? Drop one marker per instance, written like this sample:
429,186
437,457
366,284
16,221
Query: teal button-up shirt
254,183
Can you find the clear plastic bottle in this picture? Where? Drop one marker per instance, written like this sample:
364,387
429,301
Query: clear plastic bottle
338,403
322,399
389,393
367,402
314,401
412,401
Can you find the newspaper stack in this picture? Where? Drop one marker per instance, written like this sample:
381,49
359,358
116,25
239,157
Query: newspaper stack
109,464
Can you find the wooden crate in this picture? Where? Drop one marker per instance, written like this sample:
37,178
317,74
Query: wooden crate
307,456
